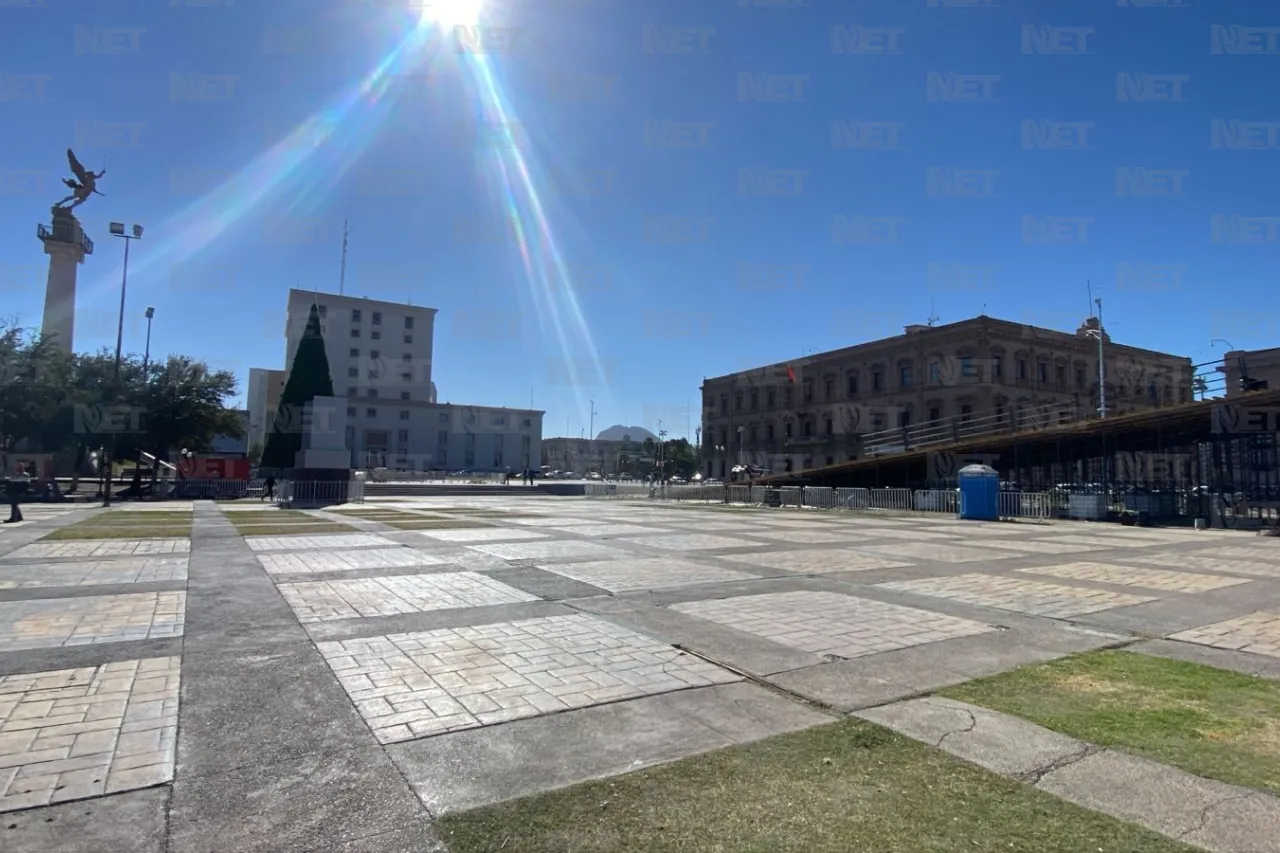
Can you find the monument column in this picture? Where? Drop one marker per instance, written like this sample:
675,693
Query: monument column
66,245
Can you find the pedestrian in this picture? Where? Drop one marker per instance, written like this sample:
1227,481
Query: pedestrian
136,485
270,492
15,487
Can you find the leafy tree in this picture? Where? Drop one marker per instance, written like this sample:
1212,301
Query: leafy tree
34,379
183,405
308,378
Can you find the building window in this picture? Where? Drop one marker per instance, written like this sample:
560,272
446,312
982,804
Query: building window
831,427
877,379
737,402
852,380
370,413
786,429
322,310
997,367
751,433
377,318
786,465
724,438
831,460
829,388
404,414
904,376
966,413
806,428
443,418
1022,368
404,395
376,335
356,316
1060,373
403,436
355,333
408,339
755,400
904,418
352,391
808,393
353,373
524,443
406,377
724,404
442,438
408,322
354,353
350,437
935,413
935,372
1042,371
768,432
351,411
373,393
527,422
967,369
406,357
771,399
877,421
373,353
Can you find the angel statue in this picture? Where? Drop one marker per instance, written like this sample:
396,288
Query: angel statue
82,189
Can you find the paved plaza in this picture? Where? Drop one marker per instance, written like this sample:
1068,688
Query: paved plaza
337,692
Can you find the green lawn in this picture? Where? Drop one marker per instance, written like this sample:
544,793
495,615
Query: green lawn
139,530
847,787
1211,722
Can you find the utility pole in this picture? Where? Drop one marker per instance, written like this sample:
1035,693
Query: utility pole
1102,365
342,271
591,431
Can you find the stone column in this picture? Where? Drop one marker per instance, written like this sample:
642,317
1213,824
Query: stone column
66,245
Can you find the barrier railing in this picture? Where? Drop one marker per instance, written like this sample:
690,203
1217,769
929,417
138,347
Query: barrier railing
1034,505
936,500
895,499
320,491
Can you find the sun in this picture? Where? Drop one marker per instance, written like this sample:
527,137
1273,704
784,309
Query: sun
452,13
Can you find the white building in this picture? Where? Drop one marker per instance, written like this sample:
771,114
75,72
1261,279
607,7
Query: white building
380,357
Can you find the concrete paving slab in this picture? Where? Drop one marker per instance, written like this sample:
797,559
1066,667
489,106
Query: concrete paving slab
38,623
414,685
316,562
79,733
690,542
601,529
226,724
321,800
640,573
935,552
830,624
418,837
817,561
317,542
1262,666
544,583
1020,596
98,654
1257,633
483,534
1111,573
559,552
464,770
1208,561
135,822
998,742
94,573
81,548
327,601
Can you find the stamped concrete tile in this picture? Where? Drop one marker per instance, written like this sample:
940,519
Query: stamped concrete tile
1101,541
316,542
829,623
77,733
935,552
548,551
94,573
50,622
602,529
690,542
100,548
1129,576
1021,596
314,562
1029,546
324,601
1208,560
414,685
637,573
817,561
1258,633
1269,554
482,534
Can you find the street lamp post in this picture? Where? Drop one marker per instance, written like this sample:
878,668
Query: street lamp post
741,431
1102,365
117,230
146,353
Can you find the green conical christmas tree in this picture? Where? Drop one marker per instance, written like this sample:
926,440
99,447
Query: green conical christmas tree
308,378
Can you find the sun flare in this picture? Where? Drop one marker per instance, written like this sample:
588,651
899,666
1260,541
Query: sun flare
452,13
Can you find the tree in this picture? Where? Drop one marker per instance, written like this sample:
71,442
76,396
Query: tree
182,404
308,378
34,380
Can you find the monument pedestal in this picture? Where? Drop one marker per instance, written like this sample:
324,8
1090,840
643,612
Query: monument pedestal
66,245
322,468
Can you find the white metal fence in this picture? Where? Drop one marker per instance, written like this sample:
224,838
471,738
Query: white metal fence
320,491
1030,505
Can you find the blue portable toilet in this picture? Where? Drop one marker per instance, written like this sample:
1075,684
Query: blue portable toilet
979,493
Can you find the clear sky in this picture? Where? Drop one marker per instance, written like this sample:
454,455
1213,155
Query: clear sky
609,200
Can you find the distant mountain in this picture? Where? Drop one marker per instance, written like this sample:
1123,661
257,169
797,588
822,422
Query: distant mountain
618,432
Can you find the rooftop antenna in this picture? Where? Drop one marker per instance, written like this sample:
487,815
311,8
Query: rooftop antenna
342,273
1089,285
933,318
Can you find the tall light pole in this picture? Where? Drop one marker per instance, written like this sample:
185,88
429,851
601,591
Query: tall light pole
117,230
1102,364
146,353
591,431
741,431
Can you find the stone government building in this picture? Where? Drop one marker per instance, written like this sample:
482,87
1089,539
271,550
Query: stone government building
819,410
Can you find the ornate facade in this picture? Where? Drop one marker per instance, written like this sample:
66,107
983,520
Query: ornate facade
820,410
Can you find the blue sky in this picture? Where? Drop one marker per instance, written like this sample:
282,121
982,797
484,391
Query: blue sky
610,200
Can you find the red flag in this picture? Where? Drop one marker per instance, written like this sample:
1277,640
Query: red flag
791,375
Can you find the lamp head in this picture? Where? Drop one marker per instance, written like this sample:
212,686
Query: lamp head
151,312
137,231
117,228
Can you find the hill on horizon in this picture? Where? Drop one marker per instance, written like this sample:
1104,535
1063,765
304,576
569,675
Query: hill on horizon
618,432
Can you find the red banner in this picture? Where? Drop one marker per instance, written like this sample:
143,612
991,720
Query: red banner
213,468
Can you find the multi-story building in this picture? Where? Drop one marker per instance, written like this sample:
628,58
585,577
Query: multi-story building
817,410
380,356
